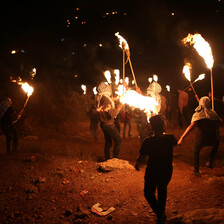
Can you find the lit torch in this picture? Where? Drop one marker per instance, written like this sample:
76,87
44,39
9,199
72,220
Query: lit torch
28,90
125,47
200,77
204,50
136,100
107,76
84,93
187,73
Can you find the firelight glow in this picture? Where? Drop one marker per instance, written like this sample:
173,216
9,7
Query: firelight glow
123,44
202,47
83,88
200,77
107,76
186,70
168,88
117,76
136,100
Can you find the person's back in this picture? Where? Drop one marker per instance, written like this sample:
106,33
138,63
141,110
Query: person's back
207,132
159,150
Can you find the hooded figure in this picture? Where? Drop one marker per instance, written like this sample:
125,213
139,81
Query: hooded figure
204,111
207,123
108,112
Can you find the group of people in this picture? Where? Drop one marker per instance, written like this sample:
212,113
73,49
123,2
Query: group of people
156,146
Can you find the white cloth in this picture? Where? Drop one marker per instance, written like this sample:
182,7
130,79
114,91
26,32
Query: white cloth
203,111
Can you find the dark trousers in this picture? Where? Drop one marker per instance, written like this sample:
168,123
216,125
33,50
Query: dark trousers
129,128
197,149
11,139
111,134
94,129
157,180
182,116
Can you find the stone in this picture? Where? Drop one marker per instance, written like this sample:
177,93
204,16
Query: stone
115,163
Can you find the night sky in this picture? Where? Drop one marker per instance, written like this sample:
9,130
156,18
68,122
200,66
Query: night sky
67,38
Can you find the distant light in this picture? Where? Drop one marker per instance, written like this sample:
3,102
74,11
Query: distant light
77,9
22,51
84,45
150,79
83,22
13,51
125,14
73,52
62,39
168,88
75,76
100,45
107,13
76,17
155,78
172,13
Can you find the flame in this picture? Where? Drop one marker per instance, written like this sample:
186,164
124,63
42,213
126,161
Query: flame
123,44
83,88
27,89
186,70
202,47
24,85
155,78
117,76
168,88
33,72
136,100
94,90
107,76
126,80
200,77
150,79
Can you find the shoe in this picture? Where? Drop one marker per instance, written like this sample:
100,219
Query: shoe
209,165
196,173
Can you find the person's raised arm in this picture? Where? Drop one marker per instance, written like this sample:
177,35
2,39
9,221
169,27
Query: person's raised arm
187,131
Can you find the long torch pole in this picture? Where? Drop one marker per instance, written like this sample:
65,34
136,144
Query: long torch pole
212,89
132,72
123,64
195,94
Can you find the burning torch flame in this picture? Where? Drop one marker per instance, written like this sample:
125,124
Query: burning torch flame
107,76
168,88
123,44
83,88
145,103
94,90
25,86
33,72
126,80
202,47
117,76
186,70
200,77
150,79
27,89
155,78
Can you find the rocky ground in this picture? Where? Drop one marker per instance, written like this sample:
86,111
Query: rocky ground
55,178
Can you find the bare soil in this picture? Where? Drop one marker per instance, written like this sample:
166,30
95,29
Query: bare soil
42,182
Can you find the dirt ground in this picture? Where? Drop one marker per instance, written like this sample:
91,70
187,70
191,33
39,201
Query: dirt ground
42,182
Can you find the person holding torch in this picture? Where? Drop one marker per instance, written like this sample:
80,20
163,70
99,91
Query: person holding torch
108,112
7,118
